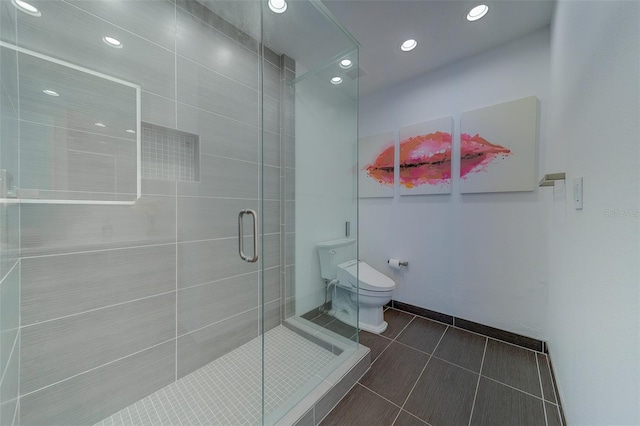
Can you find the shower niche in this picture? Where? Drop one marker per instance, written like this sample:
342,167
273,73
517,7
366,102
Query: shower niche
77,130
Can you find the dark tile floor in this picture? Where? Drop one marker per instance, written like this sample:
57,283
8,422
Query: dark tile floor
427,373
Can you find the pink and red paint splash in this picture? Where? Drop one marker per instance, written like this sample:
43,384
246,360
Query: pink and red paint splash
426,159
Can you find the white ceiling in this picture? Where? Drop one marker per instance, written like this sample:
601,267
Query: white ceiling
443,33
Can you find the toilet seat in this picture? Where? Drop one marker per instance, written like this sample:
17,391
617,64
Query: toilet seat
369,279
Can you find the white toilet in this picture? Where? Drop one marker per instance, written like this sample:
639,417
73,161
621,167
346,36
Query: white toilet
356,284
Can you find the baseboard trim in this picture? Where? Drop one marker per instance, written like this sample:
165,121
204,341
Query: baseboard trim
485,330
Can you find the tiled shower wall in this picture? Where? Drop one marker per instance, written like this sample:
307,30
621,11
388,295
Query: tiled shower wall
9,234
118,301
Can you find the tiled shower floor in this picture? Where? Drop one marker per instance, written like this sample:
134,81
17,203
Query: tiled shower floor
228,390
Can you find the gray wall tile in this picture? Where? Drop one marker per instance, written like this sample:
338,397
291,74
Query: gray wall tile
271,284
9,71
83,100
271,148
56,286
80,401
158,187
203,346
271,114
201,218
288,109
223,177
70,34
206,304
206,261
202,88
272,57
290,216
9,314
9,237
290,284
289,184
69,160
157,110
289,147
290,249
271,80
9,388
290,307
271,182
153,20
220,135
271,251
58,349
206,14
49,228
211,48
272,314
7,21
289,63
9,103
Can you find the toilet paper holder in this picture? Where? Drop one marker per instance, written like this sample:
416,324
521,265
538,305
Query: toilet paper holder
401,263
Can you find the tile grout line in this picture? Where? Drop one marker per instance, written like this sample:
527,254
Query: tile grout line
544,405
38,256
392,341
516,389
97,367
96,309
420,375
553,386
475,396
470,331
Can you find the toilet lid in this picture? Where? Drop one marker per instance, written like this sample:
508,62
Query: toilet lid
370,279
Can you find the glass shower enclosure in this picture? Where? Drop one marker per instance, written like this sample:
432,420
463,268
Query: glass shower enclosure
167,168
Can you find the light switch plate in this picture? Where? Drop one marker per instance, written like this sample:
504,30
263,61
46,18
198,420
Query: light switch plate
577,193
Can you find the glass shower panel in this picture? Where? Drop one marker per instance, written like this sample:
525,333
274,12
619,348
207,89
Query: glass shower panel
128,149
318,143
219,306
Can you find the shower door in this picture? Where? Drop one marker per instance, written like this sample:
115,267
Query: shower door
166,168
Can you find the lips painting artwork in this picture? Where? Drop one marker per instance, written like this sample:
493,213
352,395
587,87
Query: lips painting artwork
425,157
376,155
498,147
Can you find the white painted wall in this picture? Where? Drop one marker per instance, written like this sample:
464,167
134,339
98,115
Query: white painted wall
594,278
478,256
325,180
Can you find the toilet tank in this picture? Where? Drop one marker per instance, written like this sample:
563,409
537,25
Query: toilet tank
334,252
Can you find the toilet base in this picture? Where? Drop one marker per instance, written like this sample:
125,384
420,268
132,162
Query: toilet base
372,328
345,309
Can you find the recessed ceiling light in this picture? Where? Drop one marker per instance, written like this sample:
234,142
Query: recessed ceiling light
408,45
336,80
477,12
346,63
113,42
130,131
27,8
278,6
100,124
50,92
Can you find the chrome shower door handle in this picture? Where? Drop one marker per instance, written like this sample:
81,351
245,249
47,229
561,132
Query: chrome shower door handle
241,236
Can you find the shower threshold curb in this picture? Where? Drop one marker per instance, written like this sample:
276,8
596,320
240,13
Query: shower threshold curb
326,395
